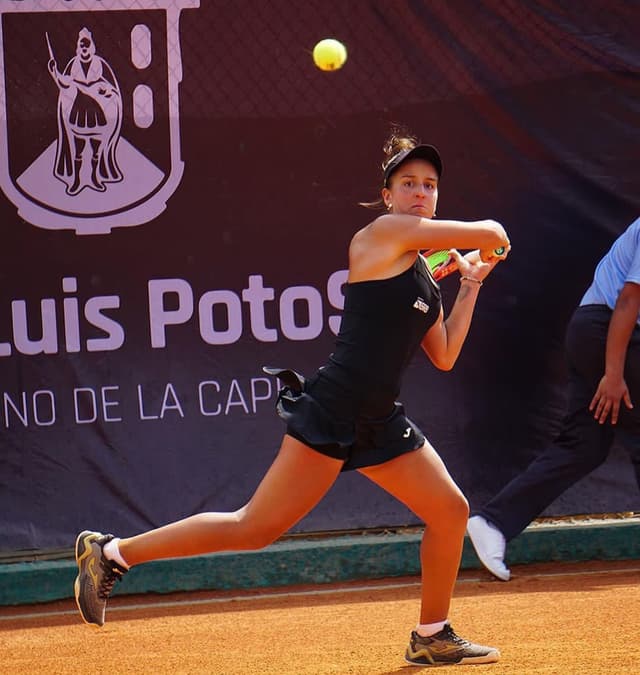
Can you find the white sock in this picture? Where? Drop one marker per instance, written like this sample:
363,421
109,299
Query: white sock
429,629
111,551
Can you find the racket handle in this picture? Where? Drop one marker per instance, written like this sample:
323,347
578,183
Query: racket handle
487,254
442,266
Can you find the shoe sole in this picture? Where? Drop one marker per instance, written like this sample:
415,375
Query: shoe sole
82,550
491,657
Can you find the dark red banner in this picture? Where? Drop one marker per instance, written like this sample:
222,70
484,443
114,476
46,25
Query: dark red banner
179,187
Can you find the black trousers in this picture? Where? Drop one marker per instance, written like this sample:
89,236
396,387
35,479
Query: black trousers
582,444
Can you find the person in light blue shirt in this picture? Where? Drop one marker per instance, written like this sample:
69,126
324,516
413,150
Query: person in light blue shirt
603,353
621,265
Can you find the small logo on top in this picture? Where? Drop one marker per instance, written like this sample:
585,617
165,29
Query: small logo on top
421,305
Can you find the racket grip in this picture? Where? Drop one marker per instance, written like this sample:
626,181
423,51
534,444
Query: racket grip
487,254
447,266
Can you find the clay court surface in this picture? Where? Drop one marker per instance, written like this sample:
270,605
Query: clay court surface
555,618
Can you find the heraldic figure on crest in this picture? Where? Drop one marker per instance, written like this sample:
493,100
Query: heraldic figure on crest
89,110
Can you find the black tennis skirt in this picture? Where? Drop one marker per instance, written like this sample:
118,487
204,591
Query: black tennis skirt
319,414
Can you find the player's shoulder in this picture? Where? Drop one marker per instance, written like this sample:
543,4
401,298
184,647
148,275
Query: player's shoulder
391,225
361,241
375,233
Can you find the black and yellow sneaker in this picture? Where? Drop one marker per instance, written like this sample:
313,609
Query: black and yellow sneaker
96,576
446,648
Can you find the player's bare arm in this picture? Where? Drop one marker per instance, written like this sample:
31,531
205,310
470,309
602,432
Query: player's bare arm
443,342
415,233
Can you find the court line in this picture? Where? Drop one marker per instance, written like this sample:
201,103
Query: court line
293,594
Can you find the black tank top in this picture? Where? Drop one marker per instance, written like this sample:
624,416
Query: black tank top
383,323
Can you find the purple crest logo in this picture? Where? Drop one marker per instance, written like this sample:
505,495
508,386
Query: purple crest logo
89,110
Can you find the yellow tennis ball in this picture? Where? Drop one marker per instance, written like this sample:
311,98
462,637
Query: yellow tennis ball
329,54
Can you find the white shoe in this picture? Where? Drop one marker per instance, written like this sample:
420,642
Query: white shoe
490,546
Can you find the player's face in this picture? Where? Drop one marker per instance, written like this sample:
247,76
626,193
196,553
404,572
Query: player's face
413,189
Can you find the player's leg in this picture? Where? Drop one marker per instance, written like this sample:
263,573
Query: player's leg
421,481
298,478
293,485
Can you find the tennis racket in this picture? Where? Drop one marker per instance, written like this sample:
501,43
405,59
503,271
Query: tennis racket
442,264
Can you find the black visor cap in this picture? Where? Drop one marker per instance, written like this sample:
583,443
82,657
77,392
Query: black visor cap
426,152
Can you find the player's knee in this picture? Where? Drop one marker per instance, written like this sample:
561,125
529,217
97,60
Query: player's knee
255,532
449,515
262,536
459,510
455,510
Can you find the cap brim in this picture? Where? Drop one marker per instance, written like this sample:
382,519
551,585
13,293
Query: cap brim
426,152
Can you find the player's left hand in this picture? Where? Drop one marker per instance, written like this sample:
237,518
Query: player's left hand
472,265
491,255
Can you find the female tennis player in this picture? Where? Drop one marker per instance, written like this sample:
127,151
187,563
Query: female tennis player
346,416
